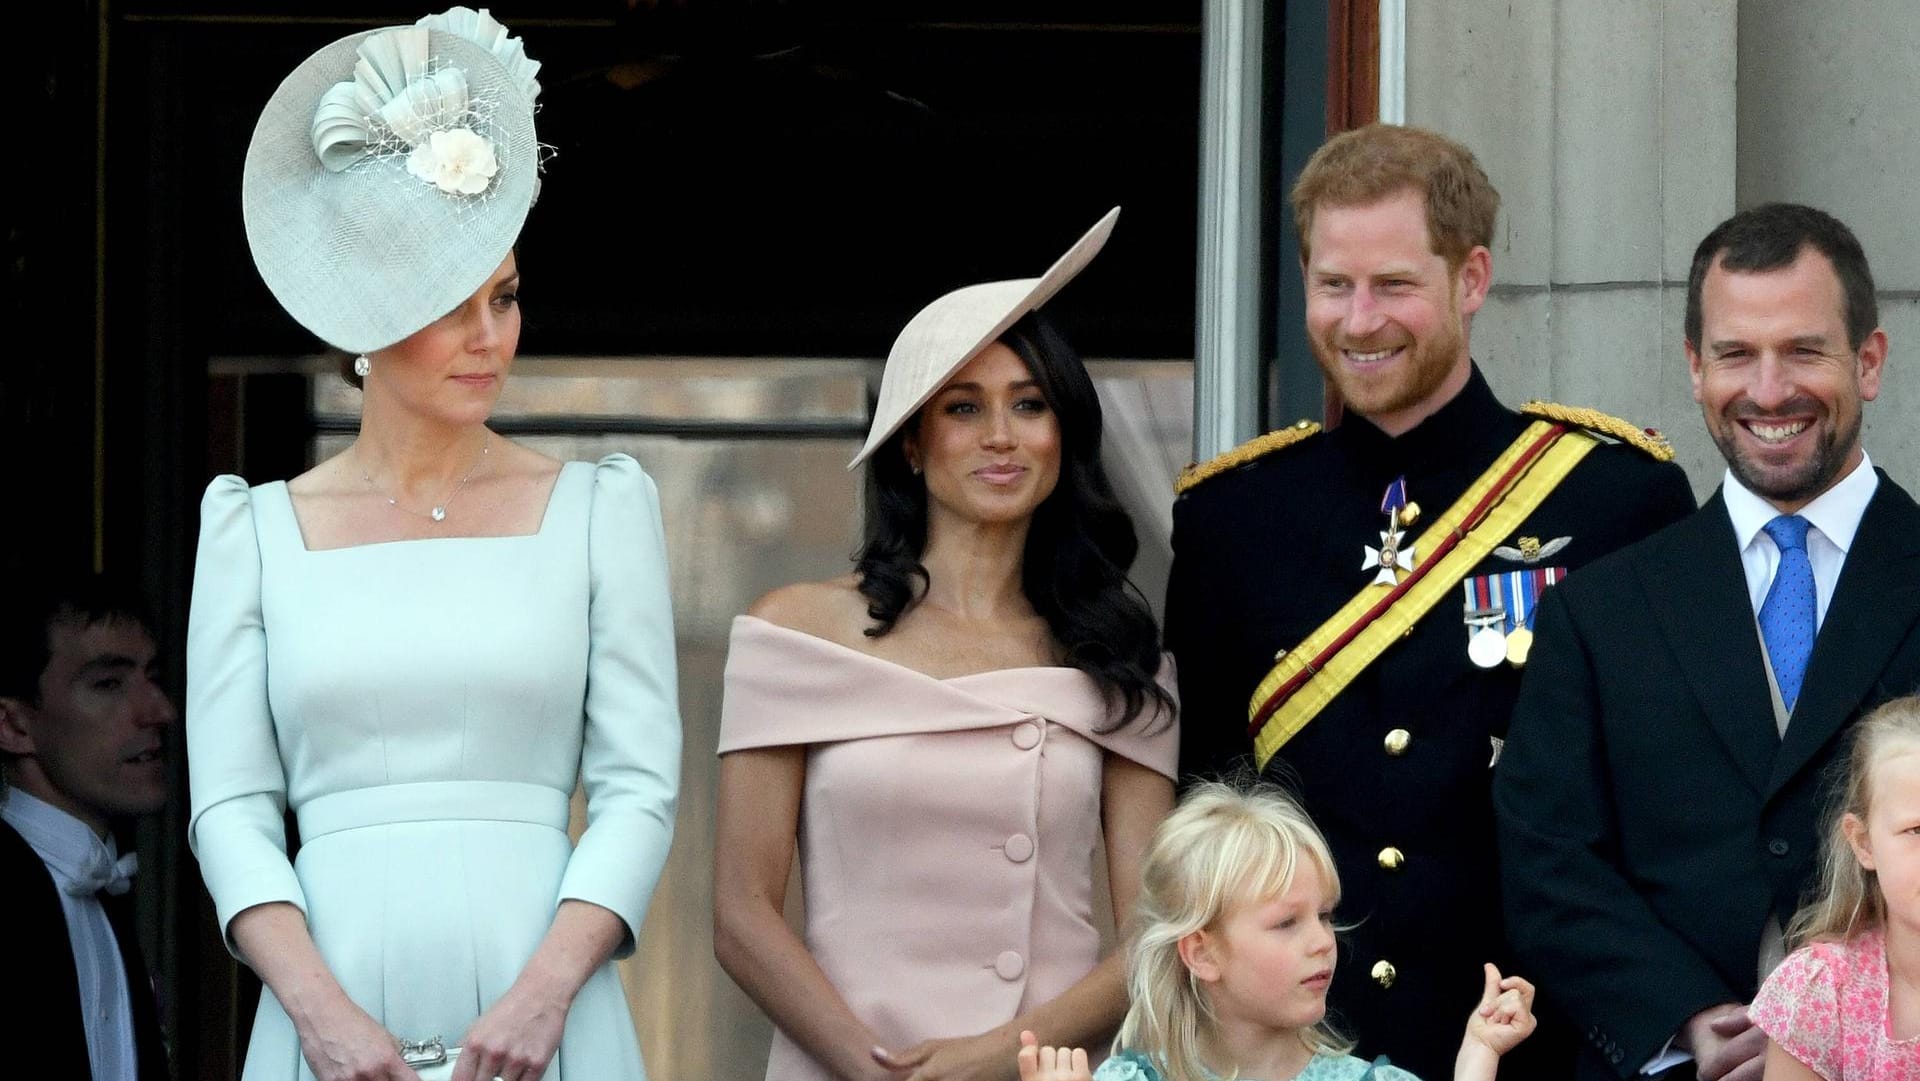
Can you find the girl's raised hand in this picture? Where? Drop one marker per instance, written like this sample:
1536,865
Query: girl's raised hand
1052,1063
1505,1015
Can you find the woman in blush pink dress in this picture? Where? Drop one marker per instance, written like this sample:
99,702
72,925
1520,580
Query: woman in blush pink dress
951,730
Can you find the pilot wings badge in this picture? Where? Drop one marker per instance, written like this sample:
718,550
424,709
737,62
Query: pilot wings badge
1530,550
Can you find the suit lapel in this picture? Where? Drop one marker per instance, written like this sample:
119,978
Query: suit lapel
49,1011
1697,591
1874,606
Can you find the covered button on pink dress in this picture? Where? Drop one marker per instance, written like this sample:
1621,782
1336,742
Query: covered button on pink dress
947,828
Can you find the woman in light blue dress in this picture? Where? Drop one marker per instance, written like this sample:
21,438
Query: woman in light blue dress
420,646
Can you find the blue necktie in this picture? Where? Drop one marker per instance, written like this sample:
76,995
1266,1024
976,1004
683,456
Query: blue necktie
1787,615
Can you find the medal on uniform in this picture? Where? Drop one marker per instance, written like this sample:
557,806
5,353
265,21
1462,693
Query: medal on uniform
1395,553
1523,593
1486,617
1500,608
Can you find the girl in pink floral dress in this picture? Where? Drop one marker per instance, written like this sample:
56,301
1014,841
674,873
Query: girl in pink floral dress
1845,1005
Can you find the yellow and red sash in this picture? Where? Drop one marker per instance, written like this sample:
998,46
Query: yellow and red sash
1305,679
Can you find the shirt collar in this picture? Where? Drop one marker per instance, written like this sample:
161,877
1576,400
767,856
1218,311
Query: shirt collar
68,846
1836,512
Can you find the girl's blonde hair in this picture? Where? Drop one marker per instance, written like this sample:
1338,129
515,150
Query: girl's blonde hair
1849,902
1220,847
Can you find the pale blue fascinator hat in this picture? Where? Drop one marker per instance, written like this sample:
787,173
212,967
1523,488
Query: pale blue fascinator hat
390,175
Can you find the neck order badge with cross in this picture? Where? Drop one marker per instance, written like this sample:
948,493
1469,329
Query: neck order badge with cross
1395,553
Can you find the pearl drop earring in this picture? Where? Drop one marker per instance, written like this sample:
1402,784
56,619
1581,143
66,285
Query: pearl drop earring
361,366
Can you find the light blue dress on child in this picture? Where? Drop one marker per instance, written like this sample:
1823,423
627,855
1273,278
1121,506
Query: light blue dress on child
425,708
1134,1066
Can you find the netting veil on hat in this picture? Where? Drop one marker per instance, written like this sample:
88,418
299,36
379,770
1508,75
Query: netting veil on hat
390,174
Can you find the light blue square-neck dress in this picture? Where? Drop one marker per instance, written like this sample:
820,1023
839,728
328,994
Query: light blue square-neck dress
424,708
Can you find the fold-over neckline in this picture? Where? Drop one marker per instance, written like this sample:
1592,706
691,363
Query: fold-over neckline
848,651
787,687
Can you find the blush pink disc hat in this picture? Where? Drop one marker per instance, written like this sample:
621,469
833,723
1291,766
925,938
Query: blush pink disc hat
951,331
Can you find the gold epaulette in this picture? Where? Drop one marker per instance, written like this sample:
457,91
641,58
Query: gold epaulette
1242,454
1648,440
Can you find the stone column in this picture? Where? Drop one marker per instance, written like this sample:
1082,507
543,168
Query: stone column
1827,109
1610,131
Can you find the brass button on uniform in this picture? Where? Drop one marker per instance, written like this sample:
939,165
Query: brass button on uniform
1384,973
1391,858
1397,741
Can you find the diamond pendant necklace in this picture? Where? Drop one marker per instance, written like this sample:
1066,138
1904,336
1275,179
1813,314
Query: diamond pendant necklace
439,512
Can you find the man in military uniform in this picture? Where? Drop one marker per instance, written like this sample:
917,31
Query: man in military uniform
1350,610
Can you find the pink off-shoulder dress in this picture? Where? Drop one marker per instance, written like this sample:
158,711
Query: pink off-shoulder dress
947,827
1827,1006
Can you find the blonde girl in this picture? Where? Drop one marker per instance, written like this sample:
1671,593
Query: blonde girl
1234,954
1845,1005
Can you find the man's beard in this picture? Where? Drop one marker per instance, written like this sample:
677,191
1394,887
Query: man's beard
1820,469
1420,373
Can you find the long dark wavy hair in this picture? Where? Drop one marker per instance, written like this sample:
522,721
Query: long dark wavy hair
1079,546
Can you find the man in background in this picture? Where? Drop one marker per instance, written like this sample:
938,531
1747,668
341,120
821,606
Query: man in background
84,728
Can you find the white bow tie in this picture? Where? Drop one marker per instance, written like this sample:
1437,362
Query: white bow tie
102,872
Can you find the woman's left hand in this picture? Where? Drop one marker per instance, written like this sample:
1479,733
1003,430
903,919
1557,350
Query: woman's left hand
986,1057
516,1039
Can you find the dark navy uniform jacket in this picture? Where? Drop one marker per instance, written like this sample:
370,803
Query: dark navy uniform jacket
1263,555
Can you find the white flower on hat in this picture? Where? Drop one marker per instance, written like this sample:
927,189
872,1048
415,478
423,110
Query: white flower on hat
458,161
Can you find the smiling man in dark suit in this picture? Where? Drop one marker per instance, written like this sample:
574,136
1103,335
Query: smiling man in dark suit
1660,795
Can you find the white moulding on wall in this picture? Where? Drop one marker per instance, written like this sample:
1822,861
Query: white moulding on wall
1393,61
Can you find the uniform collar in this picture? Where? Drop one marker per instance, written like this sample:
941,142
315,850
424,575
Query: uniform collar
1474,417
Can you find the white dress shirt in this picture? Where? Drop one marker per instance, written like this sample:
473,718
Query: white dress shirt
80,861
1834,516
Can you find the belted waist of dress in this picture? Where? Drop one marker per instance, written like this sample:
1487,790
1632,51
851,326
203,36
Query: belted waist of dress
433,801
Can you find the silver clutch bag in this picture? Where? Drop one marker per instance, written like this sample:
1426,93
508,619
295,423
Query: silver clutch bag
432,1059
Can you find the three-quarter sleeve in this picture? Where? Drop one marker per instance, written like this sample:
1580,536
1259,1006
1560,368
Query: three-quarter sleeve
239,787
630,760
